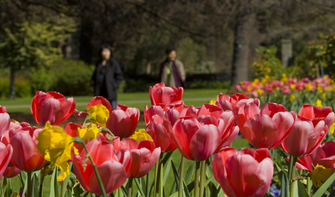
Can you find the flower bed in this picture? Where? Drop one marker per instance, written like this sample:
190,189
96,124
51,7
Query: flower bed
104,155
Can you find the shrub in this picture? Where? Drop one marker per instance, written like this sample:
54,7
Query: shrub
22,87
41,80
72,77
201,84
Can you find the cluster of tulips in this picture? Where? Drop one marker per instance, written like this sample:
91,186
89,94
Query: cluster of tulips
286,85
106,153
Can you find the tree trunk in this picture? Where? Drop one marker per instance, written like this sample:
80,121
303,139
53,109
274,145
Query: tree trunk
241,45
12,84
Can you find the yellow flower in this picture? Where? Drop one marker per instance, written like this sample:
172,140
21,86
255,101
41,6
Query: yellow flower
308,87
318,103
256,80
332,129
248,89
253,84
213,101
259,92
292,87
99,113
88,132
140,135
241,82
284,80
320,174
55,145
331,81
328,89
323,96
300,92
15,121
291,98
283,75
319,88
325,76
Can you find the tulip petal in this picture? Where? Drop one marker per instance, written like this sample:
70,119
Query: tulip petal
204,142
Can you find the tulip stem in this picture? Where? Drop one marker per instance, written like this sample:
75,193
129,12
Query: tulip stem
102,188
41,182
180,191
156,177
130,186
291,172
202,178
29,184
196,181
309,185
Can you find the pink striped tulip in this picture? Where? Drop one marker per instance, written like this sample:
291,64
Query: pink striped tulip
245,173
51,106
111,171
159,94
123,120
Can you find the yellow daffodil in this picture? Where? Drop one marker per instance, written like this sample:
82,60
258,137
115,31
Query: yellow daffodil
284,80
140,135
292,87
55,145
99,114
213,101
325,76
291,98
332,129
256,80
248,89
15,121
308,87
88,132
320,174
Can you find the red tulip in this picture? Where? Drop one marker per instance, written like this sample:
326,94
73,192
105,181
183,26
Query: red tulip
229,103
159,94
210,110
198,139
159,129
325,155
308,131
270,127
304,138
25,155
153,110
51,106
246,111
245,173
123,120
315,114
111,171
143,155
11,171
5,156
4,120
304,163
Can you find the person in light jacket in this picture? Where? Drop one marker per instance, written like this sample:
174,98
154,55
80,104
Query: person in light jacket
172,71
107,76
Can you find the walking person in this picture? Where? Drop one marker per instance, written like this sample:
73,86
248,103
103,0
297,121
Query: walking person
172,71
107,76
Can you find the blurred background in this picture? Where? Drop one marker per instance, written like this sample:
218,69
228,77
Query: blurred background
53,44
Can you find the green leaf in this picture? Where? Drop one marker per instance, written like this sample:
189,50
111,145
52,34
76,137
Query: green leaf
53,184
35,183
284,191
139,186
167,170
302,190
325,186
189,173
267,194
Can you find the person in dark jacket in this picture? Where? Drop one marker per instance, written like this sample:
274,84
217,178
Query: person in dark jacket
107,76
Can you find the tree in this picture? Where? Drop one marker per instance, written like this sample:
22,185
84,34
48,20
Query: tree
33,45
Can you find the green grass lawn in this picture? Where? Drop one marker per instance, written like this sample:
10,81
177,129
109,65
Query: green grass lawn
193,97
